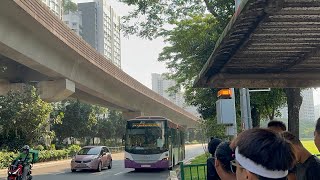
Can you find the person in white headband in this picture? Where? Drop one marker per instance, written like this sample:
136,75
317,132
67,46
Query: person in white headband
262,154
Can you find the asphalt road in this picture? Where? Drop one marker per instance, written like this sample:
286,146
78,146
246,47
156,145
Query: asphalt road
118,172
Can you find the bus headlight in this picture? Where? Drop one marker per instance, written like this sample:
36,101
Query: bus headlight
165,159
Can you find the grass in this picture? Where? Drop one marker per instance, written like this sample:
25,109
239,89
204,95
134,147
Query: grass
309,144
194,171
202,159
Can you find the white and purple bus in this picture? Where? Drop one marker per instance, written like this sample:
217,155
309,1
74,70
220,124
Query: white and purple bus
153,142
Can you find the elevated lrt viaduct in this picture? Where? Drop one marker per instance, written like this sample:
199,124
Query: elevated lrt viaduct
37,47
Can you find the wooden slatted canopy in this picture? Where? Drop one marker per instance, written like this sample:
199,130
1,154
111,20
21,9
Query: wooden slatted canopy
267,43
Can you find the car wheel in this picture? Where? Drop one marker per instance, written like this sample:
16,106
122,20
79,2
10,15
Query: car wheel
110,165
73,170
99,169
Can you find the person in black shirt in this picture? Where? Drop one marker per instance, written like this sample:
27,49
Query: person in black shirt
211,171
317,134
307,166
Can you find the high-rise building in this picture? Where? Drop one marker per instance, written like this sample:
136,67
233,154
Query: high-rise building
307,110
74,21
317,111
56,6
101,29
307,106
161,85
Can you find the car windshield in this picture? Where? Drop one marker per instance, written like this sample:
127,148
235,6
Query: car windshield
90,151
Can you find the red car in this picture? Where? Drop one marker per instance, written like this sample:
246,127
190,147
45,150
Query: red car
92,158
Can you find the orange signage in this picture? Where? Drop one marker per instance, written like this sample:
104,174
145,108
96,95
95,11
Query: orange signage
225,93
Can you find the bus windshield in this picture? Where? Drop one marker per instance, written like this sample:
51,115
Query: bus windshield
145,137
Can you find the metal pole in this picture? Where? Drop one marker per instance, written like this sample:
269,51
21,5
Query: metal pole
249,109
244,109
235,120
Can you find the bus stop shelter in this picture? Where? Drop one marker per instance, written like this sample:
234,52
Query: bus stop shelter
267,43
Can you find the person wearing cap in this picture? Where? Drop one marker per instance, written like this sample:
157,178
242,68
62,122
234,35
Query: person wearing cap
307,165
262,154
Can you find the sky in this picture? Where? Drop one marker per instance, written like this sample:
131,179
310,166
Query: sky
139,56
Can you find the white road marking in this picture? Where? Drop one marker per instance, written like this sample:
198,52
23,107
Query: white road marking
60,173
119,173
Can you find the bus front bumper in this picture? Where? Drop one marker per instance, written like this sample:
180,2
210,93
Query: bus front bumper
162,164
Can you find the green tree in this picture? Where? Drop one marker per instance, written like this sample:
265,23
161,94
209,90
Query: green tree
106,130
24,118
94,121
75,122
191,28
149,17
80,120
119,124
69,6
267,104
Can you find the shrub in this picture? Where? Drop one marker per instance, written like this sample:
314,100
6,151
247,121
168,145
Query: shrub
6,159
73,149
52,155
39,148
194,142
52,147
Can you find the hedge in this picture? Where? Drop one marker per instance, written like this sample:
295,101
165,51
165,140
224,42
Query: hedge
44,156
5,159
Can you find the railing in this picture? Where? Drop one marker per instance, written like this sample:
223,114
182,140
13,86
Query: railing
193,171
116,149
196,171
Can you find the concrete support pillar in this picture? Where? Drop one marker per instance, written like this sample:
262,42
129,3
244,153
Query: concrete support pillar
57,90
131,115
6,86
